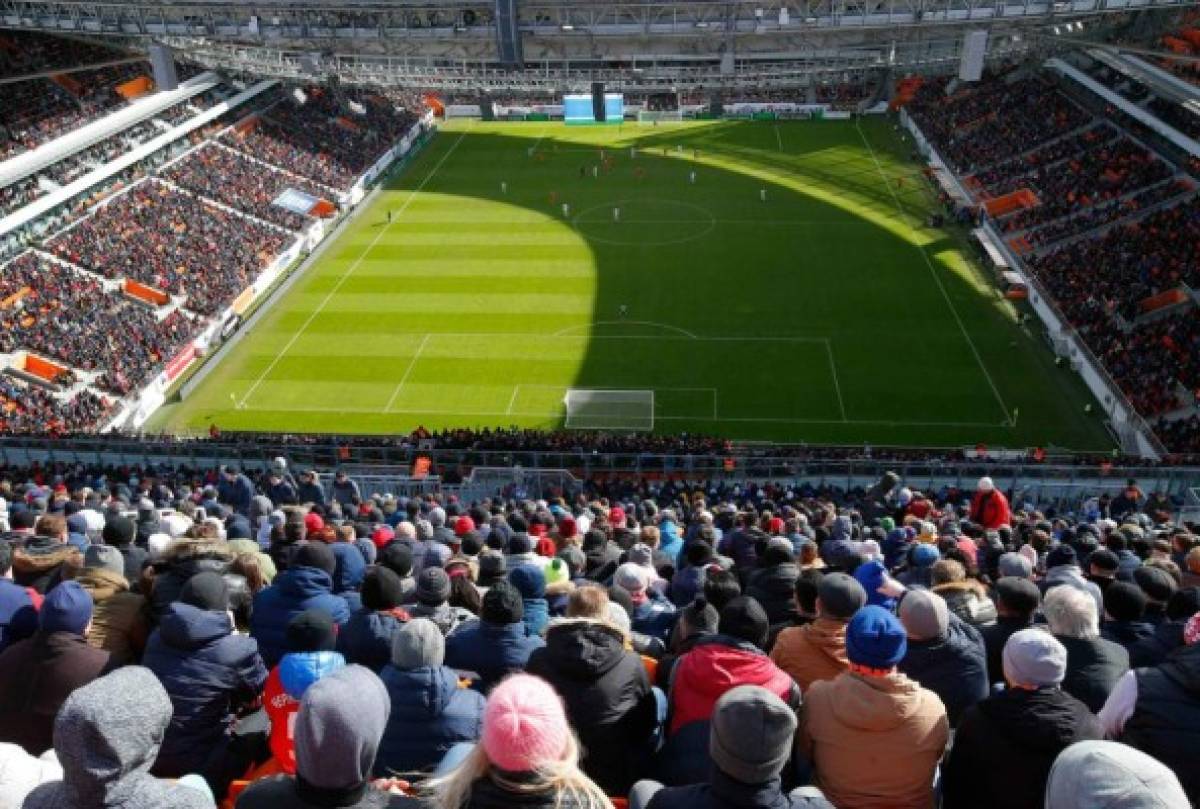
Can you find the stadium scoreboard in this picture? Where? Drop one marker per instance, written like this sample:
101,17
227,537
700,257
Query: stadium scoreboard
577,109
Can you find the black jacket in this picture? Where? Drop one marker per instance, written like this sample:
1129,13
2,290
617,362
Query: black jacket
775,588
286,792
994,637
1126,633
1153,650
723,792
953,666
1166,719
607,695
1093,668
486,795
1005,746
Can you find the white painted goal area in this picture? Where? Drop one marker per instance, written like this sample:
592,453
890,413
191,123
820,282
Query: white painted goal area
629,410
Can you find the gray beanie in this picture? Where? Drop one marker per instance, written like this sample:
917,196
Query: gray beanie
105,557
341,720
841,595
751,735
924,615
1034,657
1109,775
1014,565
418,644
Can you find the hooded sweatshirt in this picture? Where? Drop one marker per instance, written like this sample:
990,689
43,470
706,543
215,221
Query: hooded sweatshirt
891,722
106,737
816,651
284,690
716,664
1005,746
1108,775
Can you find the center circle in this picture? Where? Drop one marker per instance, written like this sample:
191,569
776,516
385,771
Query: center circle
644,222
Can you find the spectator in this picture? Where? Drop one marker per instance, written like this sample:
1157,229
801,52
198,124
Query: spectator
118,616
652,615
120,532
1062,567
1168,636
338,728
966,598
527,755
398,557
817,651
1124,610
368,636
1006,744
183,559
945,654
431,711
40,672
1158,586
349,567
344,491
106,737
495,645
1107,775
873,712
310,656
1017,601
531,584
605,689
1093,664
750,744
773,584
47,558
209,672
696,620
305,585
235,490
18,617
433,596
989,506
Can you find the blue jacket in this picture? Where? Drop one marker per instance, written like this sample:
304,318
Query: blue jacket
431,712
490,650
537,616
208,672
348,574
18,618
366,639
953,666
236,494
670,543
686,584
654,618
294,590
723,792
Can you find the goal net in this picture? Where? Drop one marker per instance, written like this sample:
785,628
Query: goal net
610,410
660,116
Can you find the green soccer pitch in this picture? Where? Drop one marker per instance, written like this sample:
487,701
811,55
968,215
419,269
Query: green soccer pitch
788,292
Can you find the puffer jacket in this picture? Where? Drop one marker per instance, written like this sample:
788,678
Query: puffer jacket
953,666
716,664
1152,651
1005,746
607,695
108,735
775,588
282,694
1126,633
489,650
18,616
119,623
183,559
208,672
294,590
723,792
891,722
969,601
812,652
654,617
431,712
367,637
1093,668
43,562
1165,722
348,573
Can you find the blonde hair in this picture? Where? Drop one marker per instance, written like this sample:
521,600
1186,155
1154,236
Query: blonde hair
453,790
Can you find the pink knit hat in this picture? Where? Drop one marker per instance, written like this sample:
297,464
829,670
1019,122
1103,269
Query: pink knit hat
524,724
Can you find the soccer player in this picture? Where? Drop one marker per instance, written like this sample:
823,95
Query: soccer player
595,171
503,187
566,209
530,151
762,194
622,310
616,214
389,217
692,178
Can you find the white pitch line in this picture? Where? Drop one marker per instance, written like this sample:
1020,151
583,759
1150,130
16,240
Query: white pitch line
940,285
837,386
411,364
512,401
349,271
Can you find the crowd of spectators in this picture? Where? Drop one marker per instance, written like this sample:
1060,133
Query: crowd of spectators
230,177
174,242
28,408
295,642
331,137
23,52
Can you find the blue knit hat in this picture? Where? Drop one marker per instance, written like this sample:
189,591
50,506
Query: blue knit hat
924,555
875,638
67,608
529,581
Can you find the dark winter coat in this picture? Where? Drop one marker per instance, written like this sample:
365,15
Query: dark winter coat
775,588
236,493
287,792
723,792
953,666
208,673
38,674
1093,668
686,584
431,712
654,617
1166,719
1005,746
1153,650
18,618
1126,633
311,492
135,559
349,573
183,559
293,591
489,650
43,562
366,639
994,637
486,795
607,695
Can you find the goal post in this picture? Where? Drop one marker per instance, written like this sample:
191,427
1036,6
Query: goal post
631,410
660,116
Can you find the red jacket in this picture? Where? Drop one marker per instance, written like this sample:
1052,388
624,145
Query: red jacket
715,665
990,509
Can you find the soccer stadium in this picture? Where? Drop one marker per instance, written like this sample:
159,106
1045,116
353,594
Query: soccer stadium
600,404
